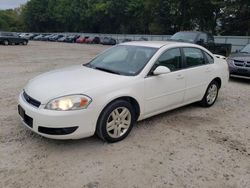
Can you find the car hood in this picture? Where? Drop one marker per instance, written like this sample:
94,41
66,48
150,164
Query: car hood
67,81
240,56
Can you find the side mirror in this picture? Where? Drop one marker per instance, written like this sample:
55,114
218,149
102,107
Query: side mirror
161,70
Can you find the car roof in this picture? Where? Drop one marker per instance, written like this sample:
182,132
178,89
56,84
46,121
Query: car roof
157,44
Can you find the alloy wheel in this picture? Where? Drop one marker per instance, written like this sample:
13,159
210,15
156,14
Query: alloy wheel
212,94
118,122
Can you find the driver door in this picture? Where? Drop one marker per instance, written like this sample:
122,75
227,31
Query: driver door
163,92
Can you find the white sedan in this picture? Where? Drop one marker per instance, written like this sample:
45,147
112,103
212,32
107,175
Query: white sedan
126,83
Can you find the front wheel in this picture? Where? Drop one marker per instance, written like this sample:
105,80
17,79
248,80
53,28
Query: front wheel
210,95
116,121
25,42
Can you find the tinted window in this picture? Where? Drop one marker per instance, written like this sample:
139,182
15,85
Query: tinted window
194,57
203,37
210,59
170,59
186,36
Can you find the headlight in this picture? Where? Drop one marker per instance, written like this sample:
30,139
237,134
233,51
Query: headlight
230,61
70,102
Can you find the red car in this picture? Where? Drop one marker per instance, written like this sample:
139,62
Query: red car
81,39
93,40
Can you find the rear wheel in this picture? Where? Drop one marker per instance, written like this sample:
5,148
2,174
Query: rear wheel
116,121
6,43
210,95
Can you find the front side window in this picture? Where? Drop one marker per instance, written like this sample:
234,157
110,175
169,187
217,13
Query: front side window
210,59
170,59
194,57
123,59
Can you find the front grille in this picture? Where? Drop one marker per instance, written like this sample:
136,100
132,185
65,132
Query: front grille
239,63
30,100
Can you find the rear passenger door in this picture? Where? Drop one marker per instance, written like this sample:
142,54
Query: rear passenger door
198,72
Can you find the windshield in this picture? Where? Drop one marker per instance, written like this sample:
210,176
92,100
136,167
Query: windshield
246,49
184,36
123,59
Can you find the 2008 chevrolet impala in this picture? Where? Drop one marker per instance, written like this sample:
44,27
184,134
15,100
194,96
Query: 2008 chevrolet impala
124,84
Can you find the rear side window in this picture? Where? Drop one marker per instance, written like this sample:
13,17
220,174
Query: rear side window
170,59
194,57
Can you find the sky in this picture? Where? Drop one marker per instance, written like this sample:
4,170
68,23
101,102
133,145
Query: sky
10,4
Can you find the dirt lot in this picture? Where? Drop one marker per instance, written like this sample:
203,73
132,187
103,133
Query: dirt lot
187,147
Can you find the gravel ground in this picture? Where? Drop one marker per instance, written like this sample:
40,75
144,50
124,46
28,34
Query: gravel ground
187,147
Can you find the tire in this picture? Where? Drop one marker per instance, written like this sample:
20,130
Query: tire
25,43
116,121
6,42
211,95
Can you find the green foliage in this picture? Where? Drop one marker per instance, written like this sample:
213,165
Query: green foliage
11,20
229,17
236,18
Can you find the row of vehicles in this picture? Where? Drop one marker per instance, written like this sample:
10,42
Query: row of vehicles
201,38
76,38
70,38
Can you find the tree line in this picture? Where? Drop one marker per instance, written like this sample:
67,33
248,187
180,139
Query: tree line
224,17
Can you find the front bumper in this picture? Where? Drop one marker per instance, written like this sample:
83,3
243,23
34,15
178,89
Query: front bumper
58,124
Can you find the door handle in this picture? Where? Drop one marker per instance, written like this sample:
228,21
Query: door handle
179,77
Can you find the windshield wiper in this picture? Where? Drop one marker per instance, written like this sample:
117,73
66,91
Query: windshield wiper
106,70
244,52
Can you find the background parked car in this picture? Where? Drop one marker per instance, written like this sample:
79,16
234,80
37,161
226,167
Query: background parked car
38,37
82,39
108,41
55,37
239,62
62,39
93,40
46,37
7,38
71,38
204,39
143,39
126,40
